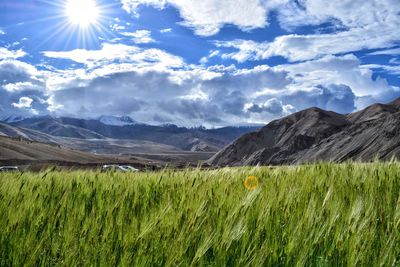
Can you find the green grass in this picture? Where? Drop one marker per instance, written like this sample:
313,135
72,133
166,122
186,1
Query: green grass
317,215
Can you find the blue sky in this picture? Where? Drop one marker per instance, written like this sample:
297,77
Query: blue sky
193,63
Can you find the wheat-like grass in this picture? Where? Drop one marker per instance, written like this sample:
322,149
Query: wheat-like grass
313,215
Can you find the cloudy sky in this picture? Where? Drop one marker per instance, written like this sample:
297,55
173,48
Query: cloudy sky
189,62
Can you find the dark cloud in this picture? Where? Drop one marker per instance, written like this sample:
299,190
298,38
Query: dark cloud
193,111
272,106
156,96
12,71
383,97
20,80
232,103
335,97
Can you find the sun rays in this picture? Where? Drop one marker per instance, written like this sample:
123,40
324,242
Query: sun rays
75,23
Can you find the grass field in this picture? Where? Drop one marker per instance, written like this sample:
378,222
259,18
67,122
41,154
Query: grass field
317,215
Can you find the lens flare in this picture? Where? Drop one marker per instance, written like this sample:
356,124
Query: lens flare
251,182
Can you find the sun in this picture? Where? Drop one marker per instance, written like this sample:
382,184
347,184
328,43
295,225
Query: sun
82,12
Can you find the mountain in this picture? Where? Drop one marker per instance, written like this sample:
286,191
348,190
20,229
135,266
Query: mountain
315,134
196,139
117,121
12,118
7,130
21,146
23,152
57,127
187,146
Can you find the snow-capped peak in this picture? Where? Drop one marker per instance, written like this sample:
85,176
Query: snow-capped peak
116,120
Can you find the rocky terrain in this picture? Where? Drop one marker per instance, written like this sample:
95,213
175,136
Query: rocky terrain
318,135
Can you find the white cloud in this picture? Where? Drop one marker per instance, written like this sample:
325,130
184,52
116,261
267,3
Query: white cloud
108,52
117,27
11,54
336,70
21,86
395,51
213,53
140,36
195,94
203,60
394,70
353,25
395,61
14,44
24,102
2,32
362,23
346,13
207,17
167,30
131,6
272,106
305,47
119,53
345,70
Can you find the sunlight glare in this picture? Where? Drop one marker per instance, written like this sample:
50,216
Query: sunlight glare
82,12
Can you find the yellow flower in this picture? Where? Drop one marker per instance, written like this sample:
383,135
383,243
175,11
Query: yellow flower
251,182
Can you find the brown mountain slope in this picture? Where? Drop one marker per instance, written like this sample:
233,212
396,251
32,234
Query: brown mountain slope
114,150
314,134
21,151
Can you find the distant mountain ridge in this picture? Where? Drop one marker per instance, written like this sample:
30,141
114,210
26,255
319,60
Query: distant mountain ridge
103,128
12,118
315,134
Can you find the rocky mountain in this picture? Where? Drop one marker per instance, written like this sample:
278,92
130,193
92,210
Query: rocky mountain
318,135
